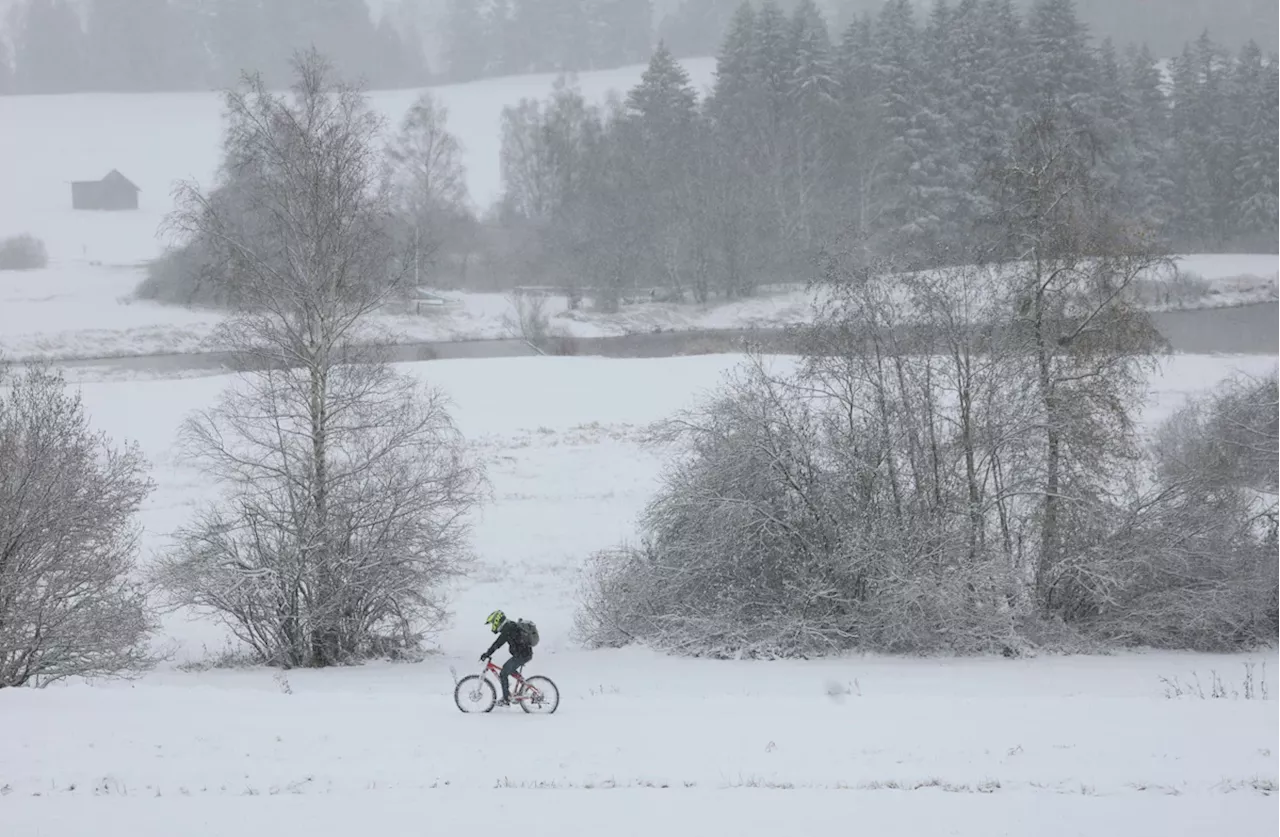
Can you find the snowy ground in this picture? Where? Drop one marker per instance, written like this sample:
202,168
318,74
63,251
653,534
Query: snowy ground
1053,746
74,309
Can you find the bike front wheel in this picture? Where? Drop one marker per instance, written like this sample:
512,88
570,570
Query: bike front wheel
541,697
474,694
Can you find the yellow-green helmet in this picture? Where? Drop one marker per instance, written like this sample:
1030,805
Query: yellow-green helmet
495,620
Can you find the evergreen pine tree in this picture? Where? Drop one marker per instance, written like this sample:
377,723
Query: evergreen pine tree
1010,50
814,86
895,195
858,125
695,28
1189,198
1214,131
567,45
50,48
1256,160
1121,134
508,53
735,108
815,100
854,60
400,62
466,48
622,30
1062,66
6,71
813,83
239,39
1149,133
659,135
664,101
942,188
987,38
735,65
773,63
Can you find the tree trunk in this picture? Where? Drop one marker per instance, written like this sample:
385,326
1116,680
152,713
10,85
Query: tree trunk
1049,546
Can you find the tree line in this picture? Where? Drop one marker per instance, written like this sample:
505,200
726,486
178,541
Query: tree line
889,132
201,44
61,46
696,27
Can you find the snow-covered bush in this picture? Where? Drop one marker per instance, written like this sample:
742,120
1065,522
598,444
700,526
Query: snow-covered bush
1195,565
23,252
771,538
185,276
68,539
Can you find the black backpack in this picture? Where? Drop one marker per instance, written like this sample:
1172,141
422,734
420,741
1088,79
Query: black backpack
529,630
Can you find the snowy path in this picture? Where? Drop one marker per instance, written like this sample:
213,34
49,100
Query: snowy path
977,746
647,722
646,812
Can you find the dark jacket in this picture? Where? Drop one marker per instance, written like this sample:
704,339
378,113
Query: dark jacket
511,635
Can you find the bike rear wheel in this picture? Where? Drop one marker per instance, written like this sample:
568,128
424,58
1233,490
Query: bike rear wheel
474,694
542,698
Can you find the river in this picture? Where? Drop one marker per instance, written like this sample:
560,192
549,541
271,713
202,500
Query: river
1245,329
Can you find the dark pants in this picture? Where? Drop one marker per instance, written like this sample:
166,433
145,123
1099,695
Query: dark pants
510,666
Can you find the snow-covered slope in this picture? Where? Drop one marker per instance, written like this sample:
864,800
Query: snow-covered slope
157,139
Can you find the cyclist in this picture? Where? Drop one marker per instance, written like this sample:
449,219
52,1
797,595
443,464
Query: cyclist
513,636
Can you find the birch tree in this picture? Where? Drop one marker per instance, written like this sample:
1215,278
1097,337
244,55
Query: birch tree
345,484
428,181
1086,344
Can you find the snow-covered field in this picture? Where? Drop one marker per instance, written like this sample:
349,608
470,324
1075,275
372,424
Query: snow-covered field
1051,746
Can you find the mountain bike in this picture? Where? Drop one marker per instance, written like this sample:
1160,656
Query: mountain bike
479,692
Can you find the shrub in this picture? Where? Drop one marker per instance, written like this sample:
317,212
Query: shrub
184,276
68,537
755,546
1195,565
23,252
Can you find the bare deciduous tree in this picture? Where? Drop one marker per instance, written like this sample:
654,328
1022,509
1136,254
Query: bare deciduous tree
1089,347
429,182
346,485
69,605
544,148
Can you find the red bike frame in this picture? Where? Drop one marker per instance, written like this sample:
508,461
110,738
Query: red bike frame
521,687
